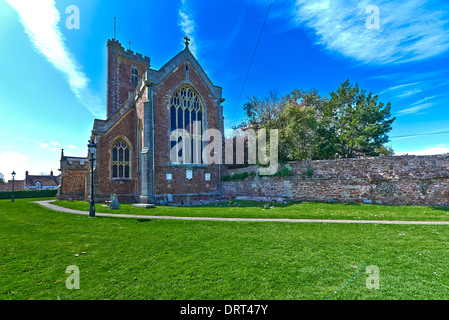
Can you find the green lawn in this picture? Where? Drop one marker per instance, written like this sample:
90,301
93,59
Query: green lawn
169,259
303,210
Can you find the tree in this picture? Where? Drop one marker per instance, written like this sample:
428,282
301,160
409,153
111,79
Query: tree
356,122
262,111
298,125
2,178
350,123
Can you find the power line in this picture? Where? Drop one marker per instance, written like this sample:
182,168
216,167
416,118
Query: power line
251,63
419,134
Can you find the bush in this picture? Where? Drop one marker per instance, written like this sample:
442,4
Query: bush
22,194
284,172
237,176
226,177
309,172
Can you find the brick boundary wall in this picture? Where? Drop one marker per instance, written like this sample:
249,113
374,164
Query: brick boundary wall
397,180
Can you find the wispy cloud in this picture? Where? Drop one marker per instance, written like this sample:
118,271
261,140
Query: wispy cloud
409,30
72,147
401,88
415,109
409,93
187,25
43,145
424,103
40,20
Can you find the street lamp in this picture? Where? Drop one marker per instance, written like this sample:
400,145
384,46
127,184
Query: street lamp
92,148
13,176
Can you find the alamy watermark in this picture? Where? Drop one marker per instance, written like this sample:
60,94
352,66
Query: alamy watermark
73,20
197,147
373,21
73,281
373,279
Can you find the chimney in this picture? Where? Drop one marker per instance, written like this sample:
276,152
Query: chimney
51,173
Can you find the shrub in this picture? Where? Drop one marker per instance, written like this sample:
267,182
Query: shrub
309,172
235,176
226,177
284,172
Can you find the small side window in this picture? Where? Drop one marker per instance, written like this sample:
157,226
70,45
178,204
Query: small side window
169,176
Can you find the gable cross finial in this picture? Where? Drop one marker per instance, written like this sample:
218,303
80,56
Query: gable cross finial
187,41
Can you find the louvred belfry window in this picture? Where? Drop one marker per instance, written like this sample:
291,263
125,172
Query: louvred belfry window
121,160
187,126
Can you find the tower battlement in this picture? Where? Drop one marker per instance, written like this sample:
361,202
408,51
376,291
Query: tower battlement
112,43
125,69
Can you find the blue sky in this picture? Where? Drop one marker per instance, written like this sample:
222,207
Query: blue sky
53,79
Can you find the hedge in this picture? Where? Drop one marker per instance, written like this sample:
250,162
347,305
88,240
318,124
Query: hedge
21,194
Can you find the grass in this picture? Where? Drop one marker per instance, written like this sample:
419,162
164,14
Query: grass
303,210
169,259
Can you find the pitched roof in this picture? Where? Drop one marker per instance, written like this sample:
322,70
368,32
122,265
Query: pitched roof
46,181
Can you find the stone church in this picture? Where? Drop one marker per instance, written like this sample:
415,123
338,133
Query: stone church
148,112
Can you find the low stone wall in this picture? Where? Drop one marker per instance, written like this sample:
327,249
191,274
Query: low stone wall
398,180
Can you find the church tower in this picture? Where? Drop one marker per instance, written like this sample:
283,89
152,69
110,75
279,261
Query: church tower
125,68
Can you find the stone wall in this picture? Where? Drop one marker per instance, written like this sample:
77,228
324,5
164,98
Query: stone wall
398,180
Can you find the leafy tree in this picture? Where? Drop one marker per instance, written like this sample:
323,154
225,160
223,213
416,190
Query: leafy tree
350,123
356,122
2,178
262,111
298,125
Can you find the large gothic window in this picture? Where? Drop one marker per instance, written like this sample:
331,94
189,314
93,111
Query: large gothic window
187,126
121,160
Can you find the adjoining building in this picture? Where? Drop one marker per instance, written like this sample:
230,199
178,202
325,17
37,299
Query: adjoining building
32,182
41,182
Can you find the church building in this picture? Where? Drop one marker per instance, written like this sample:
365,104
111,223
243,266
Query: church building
155,118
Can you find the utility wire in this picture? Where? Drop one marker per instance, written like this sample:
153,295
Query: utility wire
419,134
251,63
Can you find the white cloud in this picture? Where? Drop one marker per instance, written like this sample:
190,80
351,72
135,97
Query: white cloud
43,145
426,151
72,147
54,143
40,20
12,161
409,31
187,25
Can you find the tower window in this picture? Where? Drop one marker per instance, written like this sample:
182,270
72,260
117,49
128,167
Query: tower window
134,75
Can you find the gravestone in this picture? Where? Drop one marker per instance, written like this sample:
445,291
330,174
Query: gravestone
169,198
114,203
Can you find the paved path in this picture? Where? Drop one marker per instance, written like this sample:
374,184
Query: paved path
47,204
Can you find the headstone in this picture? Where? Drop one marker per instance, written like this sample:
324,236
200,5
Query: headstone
169,198
114,203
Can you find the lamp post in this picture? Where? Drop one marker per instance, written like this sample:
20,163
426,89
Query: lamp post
92,148
13,176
